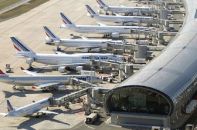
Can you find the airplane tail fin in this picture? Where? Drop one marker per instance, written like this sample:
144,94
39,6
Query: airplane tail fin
101,4
90,11
51,37
66,20
9,106
22,49
2,73
19,45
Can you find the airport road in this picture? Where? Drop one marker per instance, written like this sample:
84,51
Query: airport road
102,126
28,27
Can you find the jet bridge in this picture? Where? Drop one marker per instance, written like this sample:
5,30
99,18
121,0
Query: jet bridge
161,34
176,11
174,3
70,97
169,22
87,89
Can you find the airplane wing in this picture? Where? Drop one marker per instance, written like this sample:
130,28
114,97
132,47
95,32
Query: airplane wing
30,72
48,112
90,47
46,85
117,14
101,24
85,38
56,66
59,52
112,62
122,6
75,79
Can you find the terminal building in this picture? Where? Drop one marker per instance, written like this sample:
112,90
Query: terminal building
163,93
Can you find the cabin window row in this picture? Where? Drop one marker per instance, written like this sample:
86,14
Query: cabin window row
94,57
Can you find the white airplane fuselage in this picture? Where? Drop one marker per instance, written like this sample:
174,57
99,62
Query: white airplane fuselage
72,59
104,29
80,43
118,9
36,80
30,109
123,18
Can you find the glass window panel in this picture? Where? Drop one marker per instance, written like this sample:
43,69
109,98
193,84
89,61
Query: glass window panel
138,100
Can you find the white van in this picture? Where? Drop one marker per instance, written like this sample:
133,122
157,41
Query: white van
90,119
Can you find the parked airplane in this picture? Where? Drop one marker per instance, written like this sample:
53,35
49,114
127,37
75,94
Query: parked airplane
62,61
118,18
113,31
44,82
85,44
29,110
123,9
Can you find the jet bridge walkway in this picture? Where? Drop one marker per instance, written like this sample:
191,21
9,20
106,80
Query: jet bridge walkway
68,98
86,89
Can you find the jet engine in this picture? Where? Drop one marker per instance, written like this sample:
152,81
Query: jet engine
90,50
48,40
79,68
115,35
30,60
62,69
96,49
85,50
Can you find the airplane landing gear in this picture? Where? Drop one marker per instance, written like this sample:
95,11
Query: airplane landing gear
30,68
59,49
14,87
106,35
29,61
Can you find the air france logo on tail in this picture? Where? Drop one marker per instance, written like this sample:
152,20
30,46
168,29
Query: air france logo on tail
49,33
65,19
90,10
18,45
101,3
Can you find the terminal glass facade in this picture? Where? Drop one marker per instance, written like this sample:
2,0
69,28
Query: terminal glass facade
138,100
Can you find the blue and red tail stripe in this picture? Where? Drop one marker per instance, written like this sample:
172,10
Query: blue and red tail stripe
18,45
17,48
101,3
9,106
65,19
49,33
90,10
